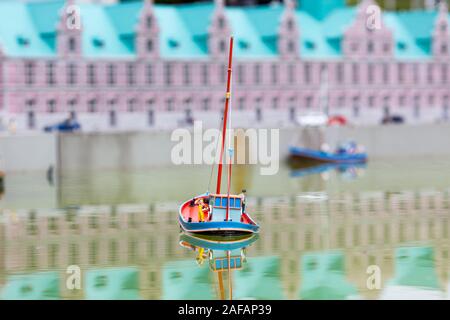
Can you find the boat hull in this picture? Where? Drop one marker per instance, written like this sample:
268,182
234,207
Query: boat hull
311,156
219,228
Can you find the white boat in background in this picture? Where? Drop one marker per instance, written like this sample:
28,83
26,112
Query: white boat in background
313,119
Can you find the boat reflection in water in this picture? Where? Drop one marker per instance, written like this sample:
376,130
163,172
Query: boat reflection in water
346,171
223,256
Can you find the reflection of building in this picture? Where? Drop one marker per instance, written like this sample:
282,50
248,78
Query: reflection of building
366,228
129,65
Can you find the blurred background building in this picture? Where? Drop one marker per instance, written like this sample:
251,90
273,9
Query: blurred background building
138,65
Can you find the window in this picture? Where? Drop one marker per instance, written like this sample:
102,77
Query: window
308,102
386,47
91,75
385,73
416,106
221,22
206,104
72,44
291,46
149,22
402,101
222,46
257,73
241,103
131,74
340,72
112,113
370,47
131,105
223,73
274,73
431,100
240,74
290,24
275,102
150,112
111,77
51,73
341,101
355,73
416,73
355,105
430,73
205,74
29,73
29,107
401,72
149,45
92,105
71,73
370,73
446,106
169,104
149,74
291,73
168,74
51,106
307,73
371,101
186,75
444,73
444,48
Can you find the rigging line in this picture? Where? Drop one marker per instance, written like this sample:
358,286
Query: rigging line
214,162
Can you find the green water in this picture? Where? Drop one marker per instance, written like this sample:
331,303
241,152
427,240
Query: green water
320,232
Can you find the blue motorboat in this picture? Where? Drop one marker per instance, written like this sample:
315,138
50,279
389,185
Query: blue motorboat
345,153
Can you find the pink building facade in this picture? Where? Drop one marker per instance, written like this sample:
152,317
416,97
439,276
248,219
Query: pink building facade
362,68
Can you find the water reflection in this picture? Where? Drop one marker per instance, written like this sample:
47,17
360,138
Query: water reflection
344,171
225,256
309,248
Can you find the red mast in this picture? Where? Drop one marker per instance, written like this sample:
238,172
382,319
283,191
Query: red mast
225,117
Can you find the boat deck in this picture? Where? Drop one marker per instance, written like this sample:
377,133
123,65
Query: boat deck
191,212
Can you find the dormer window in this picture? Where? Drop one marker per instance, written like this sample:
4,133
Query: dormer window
149,22
149,45
370,47
222,46
290,25
291,46
221,22
72,45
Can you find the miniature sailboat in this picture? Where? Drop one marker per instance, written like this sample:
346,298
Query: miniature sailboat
219,213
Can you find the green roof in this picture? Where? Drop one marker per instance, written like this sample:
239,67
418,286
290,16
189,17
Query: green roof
28,29
34,286
112,284
323,277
